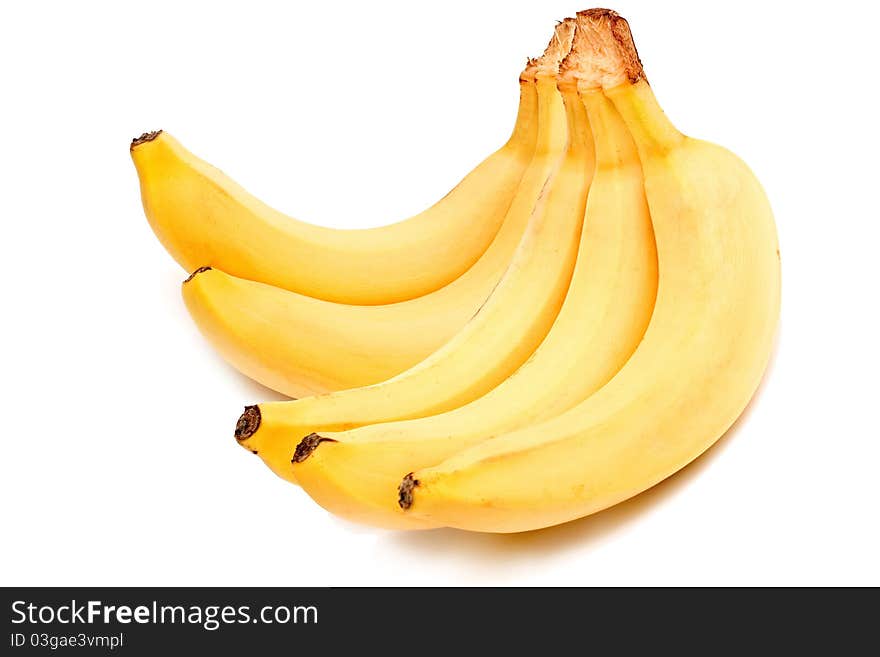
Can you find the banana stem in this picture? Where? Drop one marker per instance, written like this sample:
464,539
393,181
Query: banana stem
614,145
527,114
604,57
549,104
654,134
580,137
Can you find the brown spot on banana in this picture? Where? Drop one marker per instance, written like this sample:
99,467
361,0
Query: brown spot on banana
196,273
248,423
405,491
144,138
308,445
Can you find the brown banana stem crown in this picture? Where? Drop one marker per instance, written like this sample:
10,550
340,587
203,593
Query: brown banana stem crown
603,54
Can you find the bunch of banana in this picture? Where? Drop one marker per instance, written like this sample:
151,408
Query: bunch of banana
306,310
627,309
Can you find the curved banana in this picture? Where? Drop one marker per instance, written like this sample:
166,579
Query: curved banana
301,346
501,336
354,474
204,218
701,359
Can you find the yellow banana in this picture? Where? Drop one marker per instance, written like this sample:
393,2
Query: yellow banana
204,218
501,336
354,474
701,359
302,346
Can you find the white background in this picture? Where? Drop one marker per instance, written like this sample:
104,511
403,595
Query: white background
119,466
